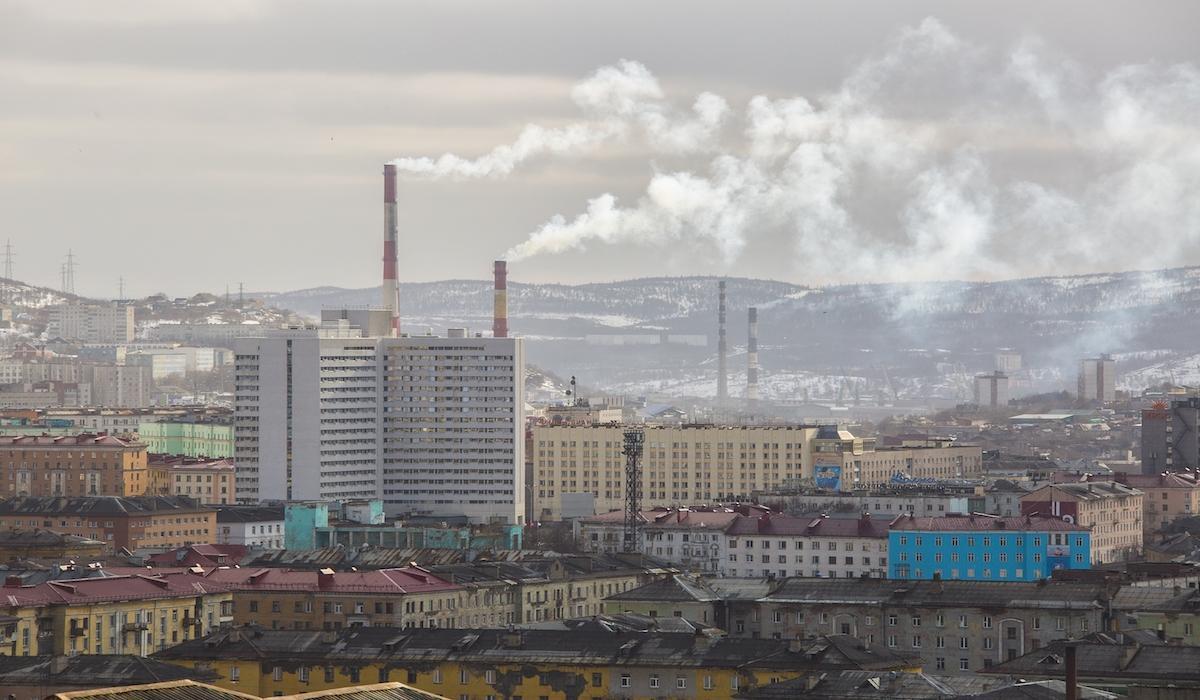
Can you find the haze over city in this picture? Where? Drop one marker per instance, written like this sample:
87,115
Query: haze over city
766,350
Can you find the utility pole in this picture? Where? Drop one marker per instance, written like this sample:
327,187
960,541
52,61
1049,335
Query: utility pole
8,271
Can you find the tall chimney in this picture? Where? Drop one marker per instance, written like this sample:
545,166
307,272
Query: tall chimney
1072,673
752,357
391,290
500,308
722,359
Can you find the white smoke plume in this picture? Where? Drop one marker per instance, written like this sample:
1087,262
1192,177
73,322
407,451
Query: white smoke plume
935,159
616,100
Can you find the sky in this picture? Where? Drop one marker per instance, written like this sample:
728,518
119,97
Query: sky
187,146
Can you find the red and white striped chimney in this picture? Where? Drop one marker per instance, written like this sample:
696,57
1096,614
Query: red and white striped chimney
500,307
391,289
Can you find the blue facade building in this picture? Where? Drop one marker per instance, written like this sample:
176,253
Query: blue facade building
985,548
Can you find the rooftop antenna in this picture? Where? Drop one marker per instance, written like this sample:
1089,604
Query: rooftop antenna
573,393
8,270
635,439
69,273
120,289
241,295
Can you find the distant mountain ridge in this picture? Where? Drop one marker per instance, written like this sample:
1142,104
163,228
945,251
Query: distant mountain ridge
919,331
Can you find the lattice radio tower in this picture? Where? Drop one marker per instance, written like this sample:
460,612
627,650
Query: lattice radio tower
635,439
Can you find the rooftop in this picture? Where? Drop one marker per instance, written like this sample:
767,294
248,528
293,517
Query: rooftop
397,581
1087,491
1107,660
107,588
560,647
98,505
190,690
785,525
90,670
89,440
959,523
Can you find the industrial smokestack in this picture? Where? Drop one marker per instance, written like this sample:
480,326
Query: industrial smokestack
391,289
752,356
722,358
500,309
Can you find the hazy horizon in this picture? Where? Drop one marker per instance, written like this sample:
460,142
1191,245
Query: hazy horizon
816,144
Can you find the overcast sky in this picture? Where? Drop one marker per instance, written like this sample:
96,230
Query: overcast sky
191,145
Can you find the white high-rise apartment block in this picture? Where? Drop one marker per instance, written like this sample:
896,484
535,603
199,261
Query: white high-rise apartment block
1098,379
92,323
431,425
991,390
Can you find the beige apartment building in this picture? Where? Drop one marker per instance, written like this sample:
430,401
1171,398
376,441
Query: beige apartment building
1166,496
584,465
853,462
1112,510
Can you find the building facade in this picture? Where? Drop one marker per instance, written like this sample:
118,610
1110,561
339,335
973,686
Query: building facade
779,546
985,548
208,481
680,464
1098,379
431,425
92,323
189,437
130,523
260,527
74,465
1171,436
1112,511
991,390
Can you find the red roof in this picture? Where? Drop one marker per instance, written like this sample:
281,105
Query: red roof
206,555
778,524
82,439
396,581
953,523
143,586
164,461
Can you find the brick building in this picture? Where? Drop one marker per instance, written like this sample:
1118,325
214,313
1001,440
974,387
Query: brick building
131,523
86,464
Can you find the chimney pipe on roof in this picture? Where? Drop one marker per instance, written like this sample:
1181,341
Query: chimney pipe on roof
722,353
1072,669
500,306
391,288
752,357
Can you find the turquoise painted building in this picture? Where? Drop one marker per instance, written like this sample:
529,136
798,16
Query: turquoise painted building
308,525
985,548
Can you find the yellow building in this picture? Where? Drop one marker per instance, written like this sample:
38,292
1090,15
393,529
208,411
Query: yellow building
119,614
173,690
553,664
208,481
1112,510
680,464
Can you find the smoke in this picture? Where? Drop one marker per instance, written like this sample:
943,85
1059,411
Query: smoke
617,101
936,158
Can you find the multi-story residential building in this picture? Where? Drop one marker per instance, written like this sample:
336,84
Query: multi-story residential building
991,390
252,526
431,425
1171,436
1112,511
130,523
1165,496
954,626
92,323
206,480
531,663
125,386
299,600
1098,379
689,538
36,543
985,548
883,502
189,436
843,461
222,335
115,614
775,545
73,465
1171,611
680,464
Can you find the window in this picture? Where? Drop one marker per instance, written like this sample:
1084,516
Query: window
892,641
891,620
708,683
963,643
916,641
489,676
940,663
964,665
277,673
597,679
987,622
733,682
437,675
464,676
653,680
624,680
680,682
303,674
329,674
235,674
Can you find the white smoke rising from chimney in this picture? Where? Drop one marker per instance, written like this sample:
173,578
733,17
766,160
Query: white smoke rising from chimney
934,159
617,100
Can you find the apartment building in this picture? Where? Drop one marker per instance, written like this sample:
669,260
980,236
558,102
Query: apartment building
307,600
1112,511
431,425
688,537
953,626
985,548
1171,436
92,323
1165,496
531,663
845,462
773,545
114,614
123,386
680,464
189,436
1098,379
263,527
130,523
885,502
73,465
206,480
